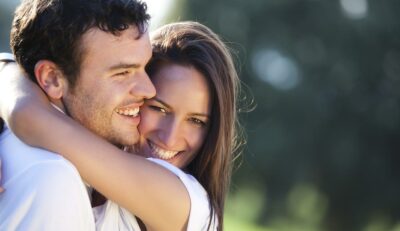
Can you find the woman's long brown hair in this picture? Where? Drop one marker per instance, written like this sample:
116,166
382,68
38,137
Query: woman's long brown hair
193,44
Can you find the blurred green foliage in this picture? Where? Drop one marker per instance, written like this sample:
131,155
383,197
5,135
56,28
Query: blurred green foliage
323,142
324,139
6,14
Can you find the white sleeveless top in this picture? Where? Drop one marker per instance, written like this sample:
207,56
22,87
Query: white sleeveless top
111,216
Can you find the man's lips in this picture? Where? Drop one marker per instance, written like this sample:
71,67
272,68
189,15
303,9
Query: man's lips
128,111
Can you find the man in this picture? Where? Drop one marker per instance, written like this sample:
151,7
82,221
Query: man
88,56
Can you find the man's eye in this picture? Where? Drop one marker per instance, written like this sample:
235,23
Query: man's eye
122,73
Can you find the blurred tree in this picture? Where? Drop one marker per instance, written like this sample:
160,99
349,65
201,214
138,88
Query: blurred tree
6,13
326,79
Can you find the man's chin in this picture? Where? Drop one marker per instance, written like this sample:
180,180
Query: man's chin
122,137
126,140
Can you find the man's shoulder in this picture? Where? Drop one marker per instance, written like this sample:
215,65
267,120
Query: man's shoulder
48,183
54,177
21,160
45,175
12,146
42,195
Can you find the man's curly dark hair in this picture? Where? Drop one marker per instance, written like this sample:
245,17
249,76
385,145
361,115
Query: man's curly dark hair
52,29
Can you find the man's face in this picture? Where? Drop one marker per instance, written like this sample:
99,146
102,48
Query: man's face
112,84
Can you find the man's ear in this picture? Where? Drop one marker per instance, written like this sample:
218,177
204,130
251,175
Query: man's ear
50,78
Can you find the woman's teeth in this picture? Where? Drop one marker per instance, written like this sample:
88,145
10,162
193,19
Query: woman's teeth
161,153
128,112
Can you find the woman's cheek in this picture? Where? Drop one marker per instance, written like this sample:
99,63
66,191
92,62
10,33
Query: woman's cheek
148,119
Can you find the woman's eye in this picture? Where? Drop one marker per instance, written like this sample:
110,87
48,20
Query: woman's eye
198,122
160,109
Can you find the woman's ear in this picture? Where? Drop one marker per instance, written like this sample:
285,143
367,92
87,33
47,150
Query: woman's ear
50,78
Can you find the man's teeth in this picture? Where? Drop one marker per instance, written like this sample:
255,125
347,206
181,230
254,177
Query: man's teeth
128,112
161,153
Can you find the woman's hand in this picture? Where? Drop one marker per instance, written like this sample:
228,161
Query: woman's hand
18,92
7,74
10,79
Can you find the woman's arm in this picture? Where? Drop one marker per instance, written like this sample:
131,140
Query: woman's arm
149,191
14,87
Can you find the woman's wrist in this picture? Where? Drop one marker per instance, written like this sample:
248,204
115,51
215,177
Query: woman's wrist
5,58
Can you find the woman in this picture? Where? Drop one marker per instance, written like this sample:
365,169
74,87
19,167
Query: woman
191,124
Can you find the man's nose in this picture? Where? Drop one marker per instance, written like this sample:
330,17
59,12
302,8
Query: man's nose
143,87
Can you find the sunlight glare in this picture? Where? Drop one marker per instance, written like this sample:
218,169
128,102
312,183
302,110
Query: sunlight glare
158,10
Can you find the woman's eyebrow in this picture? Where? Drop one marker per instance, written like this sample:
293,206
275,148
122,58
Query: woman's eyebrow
201,114
169,107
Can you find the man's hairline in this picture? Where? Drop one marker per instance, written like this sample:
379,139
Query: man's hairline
81,51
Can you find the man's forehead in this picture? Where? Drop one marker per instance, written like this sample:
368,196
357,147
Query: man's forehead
95,33
126,47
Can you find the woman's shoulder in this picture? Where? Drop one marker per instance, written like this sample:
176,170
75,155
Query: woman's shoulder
190,182
111,216
200,205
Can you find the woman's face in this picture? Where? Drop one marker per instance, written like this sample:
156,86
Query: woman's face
175,122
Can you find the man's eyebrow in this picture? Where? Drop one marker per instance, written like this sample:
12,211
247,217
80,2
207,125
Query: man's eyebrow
123,66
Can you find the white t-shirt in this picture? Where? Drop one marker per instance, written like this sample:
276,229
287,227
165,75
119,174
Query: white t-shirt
43,190
111,216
